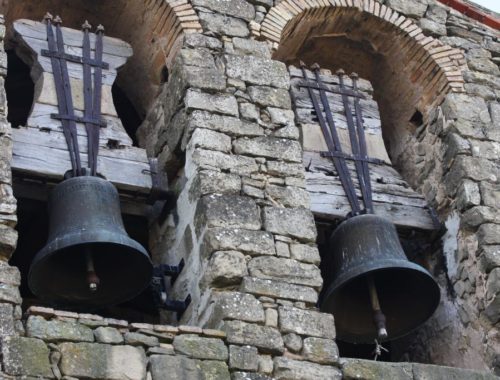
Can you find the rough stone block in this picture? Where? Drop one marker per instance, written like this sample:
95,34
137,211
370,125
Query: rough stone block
213,160
244,358
9,275
196,57
8,240
470,108
249,111
305,253
489,258
249,376
55,331
223,25
468,195
198,347
208,139
286,270
281,117
490,194
101,361
435,372
306,322
255,70
235,305
296,222
414,9
266,339
289,196
108,335
270,97
372,370
138,339
197,40
475,168
26,357
9,293
225,268
227,211
269,147
182,368
478,215
243,46
224,104
279,289
289,369
226,124
235,8
488,234
213,182
248,241
319,350
204,78
6,320
285,169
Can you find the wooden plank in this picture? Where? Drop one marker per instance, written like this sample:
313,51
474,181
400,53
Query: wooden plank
51,163
72,37
40,118
45,93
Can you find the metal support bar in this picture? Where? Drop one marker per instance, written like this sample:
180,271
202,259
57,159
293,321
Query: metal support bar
350,157
102,123
74,59
177,306
159,188
171,271
335,90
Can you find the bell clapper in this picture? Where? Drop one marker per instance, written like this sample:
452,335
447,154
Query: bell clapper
378,350
92,279
378,316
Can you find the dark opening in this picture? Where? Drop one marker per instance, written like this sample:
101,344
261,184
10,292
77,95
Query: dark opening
417,118
32,227
126,112
20,90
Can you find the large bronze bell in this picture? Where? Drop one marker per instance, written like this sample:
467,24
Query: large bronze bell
89,260
370,272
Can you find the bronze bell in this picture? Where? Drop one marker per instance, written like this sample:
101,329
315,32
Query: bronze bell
89,260
375,292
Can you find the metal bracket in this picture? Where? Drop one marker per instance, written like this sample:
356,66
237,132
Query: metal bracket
74,58
350,157
177,306
171,271
159,189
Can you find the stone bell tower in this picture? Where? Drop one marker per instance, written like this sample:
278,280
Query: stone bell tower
238,143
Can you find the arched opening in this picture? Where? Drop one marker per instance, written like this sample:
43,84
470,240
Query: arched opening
153,28
410,72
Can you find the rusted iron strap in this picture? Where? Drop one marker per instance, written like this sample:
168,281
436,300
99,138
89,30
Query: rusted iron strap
61,99
350,157
334,90
93,137
333,143
355,147
66,85
87,98
74,58
363,151
102,123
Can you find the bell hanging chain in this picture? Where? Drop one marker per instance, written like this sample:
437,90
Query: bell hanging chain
91,91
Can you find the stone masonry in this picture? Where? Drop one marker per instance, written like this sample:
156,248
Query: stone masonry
224,133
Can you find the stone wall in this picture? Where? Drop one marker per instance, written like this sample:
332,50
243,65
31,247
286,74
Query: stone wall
224,132
65,345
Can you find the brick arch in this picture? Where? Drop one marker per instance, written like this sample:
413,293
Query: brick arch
154,28
411,72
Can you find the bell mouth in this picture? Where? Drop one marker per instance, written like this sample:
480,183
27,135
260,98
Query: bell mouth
408,297
58,273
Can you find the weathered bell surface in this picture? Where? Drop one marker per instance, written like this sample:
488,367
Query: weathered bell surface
366,249
89,260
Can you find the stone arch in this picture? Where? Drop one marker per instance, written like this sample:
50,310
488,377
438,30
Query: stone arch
413,72
154,28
